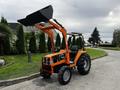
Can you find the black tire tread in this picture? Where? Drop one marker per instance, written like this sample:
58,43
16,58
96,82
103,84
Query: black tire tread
60,75
80,69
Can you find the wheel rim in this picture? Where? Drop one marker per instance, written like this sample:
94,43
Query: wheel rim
86,64
66,75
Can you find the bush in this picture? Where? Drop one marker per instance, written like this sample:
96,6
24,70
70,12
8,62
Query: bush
107,45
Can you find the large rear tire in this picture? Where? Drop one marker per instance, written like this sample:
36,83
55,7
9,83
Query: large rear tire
64,75
84,64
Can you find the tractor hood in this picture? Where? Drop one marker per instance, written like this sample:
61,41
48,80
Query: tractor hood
42,15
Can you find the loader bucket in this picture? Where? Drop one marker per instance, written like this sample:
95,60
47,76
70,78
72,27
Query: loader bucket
42,15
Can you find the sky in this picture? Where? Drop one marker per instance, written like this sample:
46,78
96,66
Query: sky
75,15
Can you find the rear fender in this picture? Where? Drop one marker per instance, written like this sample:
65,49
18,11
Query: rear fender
79,54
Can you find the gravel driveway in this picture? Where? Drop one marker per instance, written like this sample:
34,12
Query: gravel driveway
104,75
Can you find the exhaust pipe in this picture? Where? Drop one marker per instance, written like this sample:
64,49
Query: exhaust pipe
42,15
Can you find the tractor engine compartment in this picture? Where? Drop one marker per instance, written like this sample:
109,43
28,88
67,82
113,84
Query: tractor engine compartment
57,58
51,60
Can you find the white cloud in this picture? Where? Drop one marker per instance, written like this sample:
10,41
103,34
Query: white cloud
75,15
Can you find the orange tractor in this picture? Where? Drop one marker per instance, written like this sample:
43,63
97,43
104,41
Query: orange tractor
67,59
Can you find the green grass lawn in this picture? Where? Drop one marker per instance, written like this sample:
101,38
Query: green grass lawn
95,53
112,48
19,65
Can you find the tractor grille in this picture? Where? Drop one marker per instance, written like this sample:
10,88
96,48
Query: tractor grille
46,61
46,67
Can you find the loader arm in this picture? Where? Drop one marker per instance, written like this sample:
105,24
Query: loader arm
49,32
45,15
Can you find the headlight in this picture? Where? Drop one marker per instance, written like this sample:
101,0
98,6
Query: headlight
55,59
46,61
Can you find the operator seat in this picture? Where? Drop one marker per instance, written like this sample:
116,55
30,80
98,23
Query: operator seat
74,50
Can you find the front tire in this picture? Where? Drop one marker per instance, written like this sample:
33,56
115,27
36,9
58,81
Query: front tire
45,75
64,75
84,64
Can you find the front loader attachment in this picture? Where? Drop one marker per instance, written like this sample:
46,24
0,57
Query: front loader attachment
42,15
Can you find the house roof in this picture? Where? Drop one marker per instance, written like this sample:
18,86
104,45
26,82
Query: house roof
13,26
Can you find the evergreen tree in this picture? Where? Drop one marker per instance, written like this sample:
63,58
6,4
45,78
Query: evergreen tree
4,21
49,44
20,45
69,41
74,41
80,42
42,43
32,43
90,40
6,45
95,37
58,40
116,38
5,39
63,46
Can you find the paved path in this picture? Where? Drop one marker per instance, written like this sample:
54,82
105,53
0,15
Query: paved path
104,75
